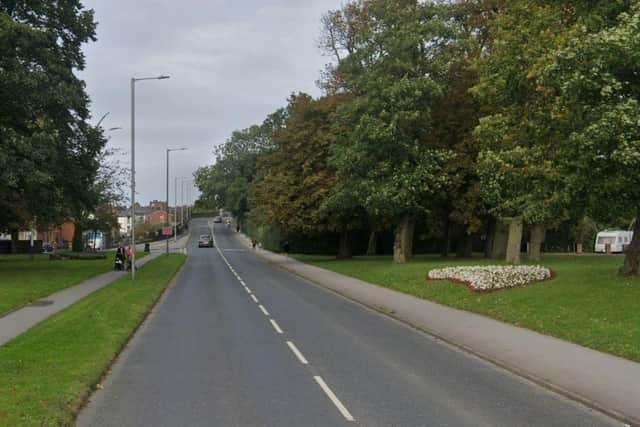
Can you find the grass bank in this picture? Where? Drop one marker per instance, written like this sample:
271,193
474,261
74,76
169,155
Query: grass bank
23,281
48,372
588,303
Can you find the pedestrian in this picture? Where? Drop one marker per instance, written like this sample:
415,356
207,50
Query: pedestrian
254,243
119,262
286,246
129,256
238,228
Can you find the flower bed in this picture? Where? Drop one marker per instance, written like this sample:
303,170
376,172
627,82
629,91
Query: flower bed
491,277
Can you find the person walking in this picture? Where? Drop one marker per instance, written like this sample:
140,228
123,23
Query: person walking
129,256
119,262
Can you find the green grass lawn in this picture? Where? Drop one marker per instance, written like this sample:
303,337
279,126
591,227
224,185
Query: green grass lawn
588,303
47,373
23,281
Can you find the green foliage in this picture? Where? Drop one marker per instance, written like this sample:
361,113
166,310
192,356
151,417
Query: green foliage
226,183
448,114
295,178
48,160
383,158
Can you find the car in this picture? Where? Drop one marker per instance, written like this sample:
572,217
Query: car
217,219
205,241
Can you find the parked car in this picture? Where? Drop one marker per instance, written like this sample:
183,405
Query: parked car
205,241
617,239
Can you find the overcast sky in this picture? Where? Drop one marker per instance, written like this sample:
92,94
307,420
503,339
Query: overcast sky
231,63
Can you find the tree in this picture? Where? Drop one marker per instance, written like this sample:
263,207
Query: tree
48,149
383,161
596,80
226,183
295,180
520,140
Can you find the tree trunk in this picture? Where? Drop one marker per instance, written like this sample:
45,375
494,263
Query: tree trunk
467,246
514,241
372,247
500,237
631,266
535,242
488,244
446,239
464,240
403,244
77,245
344,245
15,234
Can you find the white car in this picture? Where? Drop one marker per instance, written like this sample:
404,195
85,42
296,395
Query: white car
205,241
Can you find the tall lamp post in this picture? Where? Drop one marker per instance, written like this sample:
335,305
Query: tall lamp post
133,167
184,181
175,206
167,223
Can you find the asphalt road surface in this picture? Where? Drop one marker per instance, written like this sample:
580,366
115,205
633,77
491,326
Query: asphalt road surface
238,342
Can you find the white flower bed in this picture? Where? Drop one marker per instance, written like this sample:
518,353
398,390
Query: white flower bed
489,277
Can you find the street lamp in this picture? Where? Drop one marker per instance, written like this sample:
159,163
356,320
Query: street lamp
133,167
185,180
167,224
175,206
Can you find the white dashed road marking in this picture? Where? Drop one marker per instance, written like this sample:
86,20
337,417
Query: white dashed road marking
345,413
343,410
275,326
299,355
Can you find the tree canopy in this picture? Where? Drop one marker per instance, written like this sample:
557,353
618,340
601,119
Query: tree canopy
456,115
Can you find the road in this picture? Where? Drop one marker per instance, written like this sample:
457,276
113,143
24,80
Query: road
238,342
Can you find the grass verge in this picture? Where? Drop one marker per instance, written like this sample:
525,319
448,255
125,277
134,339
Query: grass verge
47,373
588,303
23,281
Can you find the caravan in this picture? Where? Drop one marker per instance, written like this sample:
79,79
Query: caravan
617,239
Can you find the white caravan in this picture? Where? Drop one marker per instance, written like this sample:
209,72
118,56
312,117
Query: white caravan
618,240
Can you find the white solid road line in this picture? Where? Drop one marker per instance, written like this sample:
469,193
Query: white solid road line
275,326
253,297
299,355
345,413
264,310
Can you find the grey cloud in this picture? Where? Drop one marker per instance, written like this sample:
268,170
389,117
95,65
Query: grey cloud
231,63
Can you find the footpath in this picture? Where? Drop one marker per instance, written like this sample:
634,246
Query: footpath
19,321
599,380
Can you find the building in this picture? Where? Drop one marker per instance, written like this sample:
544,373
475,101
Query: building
58,236
157,217
124,218
158,205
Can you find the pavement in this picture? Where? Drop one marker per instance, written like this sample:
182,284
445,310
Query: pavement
23,319
239,341
603,381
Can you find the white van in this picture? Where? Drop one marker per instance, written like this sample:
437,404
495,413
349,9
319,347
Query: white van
618,240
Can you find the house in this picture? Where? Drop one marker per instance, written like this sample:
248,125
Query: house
58,235
158,205
124,218
157,217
